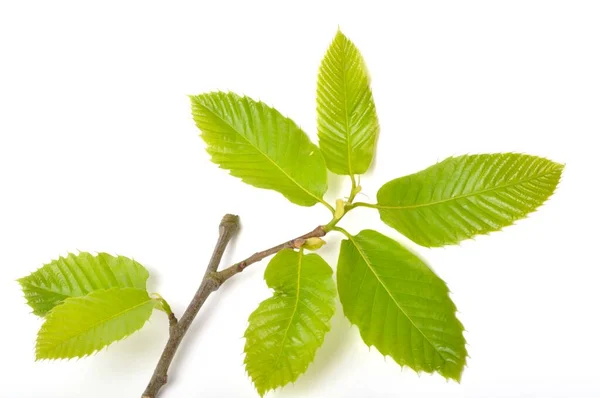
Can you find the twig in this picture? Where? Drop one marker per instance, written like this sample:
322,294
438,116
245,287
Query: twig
227,229
294,243
211,282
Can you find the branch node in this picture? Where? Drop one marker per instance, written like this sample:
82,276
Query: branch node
172,321
298,243
320,231
212,282
230,222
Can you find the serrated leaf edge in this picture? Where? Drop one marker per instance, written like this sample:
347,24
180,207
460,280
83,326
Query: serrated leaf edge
67,300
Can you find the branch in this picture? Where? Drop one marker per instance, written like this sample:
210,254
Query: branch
294,243
211,282
227,229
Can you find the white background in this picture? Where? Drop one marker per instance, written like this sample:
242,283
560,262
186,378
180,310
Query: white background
98,152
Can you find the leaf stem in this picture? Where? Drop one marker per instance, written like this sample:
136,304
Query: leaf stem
166,308
356,188
353,189
329,207
343,231
363,204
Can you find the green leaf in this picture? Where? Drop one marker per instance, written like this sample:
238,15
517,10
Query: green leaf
78,275
346,117
82,325
467,195
400,305
286,330
262,147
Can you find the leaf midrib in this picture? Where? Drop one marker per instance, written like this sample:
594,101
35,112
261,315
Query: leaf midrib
481,192
347,117
45,289
46,286
364,257
105,320
262,153
300,255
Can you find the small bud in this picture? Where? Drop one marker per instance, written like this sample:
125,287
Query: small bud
339,209
313,243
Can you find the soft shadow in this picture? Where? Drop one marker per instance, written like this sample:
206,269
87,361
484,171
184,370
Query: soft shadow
327,357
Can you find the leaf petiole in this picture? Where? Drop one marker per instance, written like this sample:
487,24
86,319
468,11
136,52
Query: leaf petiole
161,303
341,230
363,204
329,207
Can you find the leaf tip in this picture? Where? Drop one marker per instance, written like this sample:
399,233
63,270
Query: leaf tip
260,387
22,281
456,378
339,35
